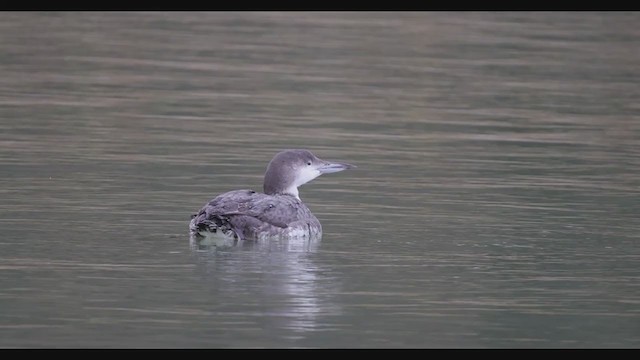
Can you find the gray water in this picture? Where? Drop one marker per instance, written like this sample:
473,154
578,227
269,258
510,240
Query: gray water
495,204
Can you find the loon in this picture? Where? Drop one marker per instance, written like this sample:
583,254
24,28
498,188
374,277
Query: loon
278,213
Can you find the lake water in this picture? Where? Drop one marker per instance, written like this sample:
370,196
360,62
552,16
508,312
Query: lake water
495,205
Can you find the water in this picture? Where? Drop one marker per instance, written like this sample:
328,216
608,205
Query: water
495,203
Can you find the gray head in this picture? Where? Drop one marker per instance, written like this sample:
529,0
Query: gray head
292,168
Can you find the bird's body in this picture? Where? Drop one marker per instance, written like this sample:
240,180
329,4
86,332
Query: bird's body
246,214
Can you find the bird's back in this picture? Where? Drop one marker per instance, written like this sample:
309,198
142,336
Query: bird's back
248,215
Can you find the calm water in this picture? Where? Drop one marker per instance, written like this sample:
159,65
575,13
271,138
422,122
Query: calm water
495,203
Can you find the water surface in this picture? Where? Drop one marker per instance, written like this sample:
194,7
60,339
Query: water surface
495,203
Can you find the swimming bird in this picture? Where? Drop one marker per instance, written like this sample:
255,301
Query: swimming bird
276,213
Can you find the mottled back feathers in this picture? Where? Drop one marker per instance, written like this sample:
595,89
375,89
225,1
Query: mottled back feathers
251,215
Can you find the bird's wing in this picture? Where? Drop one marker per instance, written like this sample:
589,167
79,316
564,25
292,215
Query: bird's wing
240,210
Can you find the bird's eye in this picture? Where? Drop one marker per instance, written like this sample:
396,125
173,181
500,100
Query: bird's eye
309,163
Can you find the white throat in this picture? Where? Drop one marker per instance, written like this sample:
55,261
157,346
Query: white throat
293,190
304,176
